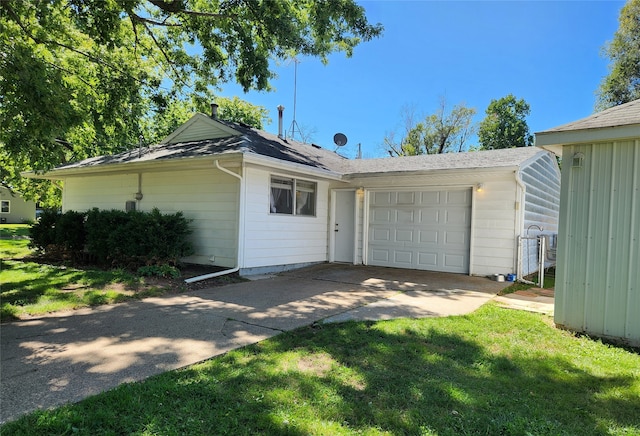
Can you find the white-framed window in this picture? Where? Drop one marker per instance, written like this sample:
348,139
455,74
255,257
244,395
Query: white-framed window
5,206
291,196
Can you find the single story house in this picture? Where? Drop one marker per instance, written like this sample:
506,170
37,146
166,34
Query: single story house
14,209
598,255
262,203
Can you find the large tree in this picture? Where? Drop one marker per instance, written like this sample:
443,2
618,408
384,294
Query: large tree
441,132
622,84
82,77
505,124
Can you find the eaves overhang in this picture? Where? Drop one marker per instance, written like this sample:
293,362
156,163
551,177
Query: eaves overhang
431,172
302,169
555,140
190,163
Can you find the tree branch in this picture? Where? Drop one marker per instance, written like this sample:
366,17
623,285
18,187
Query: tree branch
37,40
166,56
174,7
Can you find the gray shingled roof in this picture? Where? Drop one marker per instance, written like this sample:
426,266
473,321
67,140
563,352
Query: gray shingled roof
505,158
257,142
623,115
250,141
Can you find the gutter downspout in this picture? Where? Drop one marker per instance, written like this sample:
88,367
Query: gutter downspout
240,221
520,229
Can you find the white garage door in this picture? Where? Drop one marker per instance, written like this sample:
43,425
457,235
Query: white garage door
427,230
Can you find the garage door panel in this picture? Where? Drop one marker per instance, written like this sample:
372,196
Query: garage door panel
429,216
457,217
432,234
403,235
427,260
458,197
381,234
403,257
406,198
382,215
380,255
428,236
454,261
430,197
455,239
406,216
383,198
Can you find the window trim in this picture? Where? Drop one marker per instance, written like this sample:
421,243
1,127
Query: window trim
294,190
2,202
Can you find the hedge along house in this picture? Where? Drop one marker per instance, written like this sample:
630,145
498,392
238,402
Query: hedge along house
261,203
598,273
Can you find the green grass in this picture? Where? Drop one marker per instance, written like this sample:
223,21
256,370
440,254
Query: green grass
30,288
14,248
494,372
8,230
549,283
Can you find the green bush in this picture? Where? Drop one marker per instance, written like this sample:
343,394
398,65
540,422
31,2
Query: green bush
114,237
159,271
43,232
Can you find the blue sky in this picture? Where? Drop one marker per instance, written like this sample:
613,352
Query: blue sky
547,52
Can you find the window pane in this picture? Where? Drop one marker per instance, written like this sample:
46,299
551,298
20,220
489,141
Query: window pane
305,198
281,195
4,208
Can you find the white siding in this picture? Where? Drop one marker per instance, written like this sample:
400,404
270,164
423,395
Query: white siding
274,241
542,206
208,197
103,192
494,227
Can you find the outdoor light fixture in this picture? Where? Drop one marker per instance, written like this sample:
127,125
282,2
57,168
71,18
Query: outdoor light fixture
577,160
480,187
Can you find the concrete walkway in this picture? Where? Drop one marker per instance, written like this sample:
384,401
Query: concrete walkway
66,357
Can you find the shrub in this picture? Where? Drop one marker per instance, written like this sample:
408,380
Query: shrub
43,232
159,271
126,239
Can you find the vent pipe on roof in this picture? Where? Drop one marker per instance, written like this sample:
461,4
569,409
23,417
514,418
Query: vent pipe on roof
214,111
280,111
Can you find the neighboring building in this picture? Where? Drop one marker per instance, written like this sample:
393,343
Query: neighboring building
260,203
14,209
598,257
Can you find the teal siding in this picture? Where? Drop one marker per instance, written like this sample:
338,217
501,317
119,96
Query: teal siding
598,250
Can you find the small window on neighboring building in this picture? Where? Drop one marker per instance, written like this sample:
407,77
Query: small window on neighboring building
5,206
283,201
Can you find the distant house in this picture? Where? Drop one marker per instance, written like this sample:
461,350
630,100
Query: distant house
598,256
261,203
14,209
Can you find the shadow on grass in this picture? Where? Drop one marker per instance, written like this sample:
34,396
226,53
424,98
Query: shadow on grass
28,283
422,378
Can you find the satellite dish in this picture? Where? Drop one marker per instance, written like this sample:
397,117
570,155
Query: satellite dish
339,139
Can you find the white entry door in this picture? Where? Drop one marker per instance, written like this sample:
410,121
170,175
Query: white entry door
428,230
344,226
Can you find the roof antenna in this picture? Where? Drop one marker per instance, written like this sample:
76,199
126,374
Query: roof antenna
140,143
294,123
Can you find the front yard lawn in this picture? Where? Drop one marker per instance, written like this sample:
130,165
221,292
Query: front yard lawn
493,372
31,288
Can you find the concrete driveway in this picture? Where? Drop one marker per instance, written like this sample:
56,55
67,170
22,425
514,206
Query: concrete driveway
66,357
